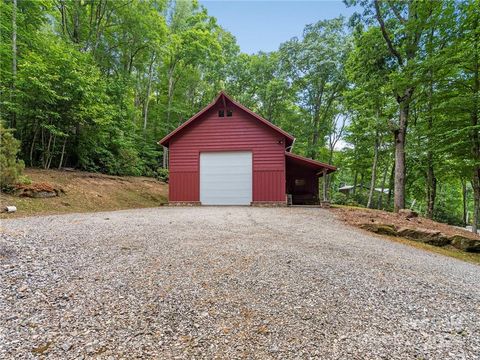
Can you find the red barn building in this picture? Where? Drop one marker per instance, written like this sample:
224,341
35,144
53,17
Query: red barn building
228,155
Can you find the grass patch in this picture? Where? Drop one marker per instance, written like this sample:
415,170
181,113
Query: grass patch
446,251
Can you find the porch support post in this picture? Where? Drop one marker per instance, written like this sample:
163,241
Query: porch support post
325,195
165,158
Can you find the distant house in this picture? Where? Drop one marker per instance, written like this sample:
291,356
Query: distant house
349,189
228,155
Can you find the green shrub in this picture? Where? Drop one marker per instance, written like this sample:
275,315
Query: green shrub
163,174
24,180
339,198
10,167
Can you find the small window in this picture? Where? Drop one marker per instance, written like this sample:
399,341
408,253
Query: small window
229,112
299,182
221,113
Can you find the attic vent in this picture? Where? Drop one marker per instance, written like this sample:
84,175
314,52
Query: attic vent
229,112
221,113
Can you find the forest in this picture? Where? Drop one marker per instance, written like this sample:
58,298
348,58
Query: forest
390,96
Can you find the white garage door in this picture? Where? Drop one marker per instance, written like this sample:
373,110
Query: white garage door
226,178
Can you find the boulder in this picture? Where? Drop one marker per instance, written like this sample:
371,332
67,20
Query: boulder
465,244
408,214
43,194
383,229
430,237
38,190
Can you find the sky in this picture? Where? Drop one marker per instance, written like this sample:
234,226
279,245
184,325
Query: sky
262,25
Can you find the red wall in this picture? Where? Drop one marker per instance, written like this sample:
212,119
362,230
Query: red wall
238,132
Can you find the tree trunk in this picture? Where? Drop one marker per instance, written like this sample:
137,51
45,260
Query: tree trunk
76,22
51,153
476,200
315,136
355,182
431,179
32,146
147,98
171,72
475,134
412,36
46,152
400,134
325,186
384,181
42,155
390,186
431,187
464,201
374,171
63,153
13,121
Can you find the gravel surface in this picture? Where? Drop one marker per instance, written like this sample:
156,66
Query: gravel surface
231,282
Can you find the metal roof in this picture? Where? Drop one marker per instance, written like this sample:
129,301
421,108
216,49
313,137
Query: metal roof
317,165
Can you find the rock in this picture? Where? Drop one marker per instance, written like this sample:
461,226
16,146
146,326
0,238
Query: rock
43,194
38,190
430,237
66,346
41,348
383,229
465,244
407,213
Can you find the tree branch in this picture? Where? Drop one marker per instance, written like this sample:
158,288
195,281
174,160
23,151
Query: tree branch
397,13
385,34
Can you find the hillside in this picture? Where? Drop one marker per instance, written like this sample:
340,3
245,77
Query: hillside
84,191
415,231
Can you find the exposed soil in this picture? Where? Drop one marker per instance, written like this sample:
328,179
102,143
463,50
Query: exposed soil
358,216
84,191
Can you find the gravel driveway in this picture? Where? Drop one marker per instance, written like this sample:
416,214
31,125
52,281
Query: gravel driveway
231,282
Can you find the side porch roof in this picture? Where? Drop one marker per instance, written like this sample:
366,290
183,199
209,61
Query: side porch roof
315,165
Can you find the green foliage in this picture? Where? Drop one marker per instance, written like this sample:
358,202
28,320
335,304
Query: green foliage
315,66
24,180
163,174
10,166
339,198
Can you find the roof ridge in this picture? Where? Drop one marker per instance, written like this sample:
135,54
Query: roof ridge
166,139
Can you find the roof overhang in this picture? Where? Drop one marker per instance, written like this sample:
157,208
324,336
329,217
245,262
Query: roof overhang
223,97
319,167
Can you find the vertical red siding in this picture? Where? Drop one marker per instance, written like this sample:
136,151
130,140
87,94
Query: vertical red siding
238,132
270,185
183,186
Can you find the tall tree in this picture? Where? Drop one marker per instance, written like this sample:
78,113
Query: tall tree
315,66
403,26
368,97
